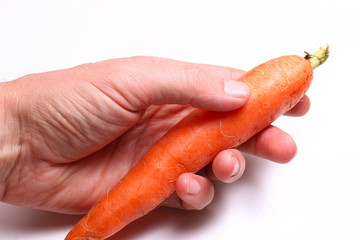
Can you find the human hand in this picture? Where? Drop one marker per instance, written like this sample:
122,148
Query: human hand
70,135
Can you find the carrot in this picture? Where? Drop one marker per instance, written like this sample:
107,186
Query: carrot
277,86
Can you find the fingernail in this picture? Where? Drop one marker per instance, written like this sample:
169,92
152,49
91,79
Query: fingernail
236,167
193,187
236,89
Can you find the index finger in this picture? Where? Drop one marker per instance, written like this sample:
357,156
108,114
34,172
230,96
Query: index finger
215,70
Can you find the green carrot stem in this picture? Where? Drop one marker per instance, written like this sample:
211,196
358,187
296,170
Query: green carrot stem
319,57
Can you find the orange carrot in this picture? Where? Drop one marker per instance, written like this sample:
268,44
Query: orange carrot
277,86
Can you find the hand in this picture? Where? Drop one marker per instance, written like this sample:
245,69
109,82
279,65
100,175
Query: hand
70,135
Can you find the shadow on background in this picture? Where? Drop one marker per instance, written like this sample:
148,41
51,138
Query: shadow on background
177,221
17,219
184,222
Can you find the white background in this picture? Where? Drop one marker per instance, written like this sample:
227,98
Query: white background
316,196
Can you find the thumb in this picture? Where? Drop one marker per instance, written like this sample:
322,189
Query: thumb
142,84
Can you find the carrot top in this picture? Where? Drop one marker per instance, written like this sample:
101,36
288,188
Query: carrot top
318,58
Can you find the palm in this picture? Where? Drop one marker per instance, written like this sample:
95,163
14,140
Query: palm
73,178
109,164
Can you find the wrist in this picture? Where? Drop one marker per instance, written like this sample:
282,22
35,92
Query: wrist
10,144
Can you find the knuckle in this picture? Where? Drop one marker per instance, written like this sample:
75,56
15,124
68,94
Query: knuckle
142,59
233,73
193,75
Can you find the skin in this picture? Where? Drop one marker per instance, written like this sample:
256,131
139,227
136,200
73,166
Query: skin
70,135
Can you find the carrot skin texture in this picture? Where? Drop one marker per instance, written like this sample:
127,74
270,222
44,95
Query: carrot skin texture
277,86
